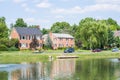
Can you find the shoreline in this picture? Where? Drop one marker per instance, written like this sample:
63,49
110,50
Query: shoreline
28,56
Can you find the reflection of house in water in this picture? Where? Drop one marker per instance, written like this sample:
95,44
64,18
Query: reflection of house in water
40,71
30,72
63,68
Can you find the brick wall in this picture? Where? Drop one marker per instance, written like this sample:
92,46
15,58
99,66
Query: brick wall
61,42
15,35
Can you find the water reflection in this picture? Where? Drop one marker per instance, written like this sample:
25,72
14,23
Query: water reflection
62,68
98,69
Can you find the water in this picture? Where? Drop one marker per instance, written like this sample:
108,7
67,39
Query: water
63,69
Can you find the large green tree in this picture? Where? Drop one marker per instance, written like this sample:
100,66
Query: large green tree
3,28
92,33
3,33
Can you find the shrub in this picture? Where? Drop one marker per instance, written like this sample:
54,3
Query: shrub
3,47
12,49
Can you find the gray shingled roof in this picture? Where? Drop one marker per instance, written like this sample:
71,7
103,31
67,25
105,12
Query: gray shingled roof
61,35
28,31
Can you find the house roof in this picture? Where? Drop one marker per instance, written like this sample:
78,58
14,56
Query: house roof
28,31
45,36
61,35
116,33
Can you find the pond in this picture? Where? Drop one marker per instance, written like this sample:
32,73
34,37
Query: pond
63,69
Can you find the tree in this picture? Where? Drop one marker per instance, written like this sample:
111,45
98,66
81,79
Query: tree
60,27
3,28
3,33
19,23
48,43
45,31
92,33
34,44
112,24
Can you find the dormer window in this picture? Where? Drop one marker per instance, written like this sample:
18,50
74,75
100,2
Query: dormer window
23,38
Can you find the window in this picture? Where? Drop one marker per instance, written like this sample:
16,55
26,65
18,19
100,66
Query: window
37,37
72,45
66,39
23,45
55,45
71,39
40,45
59,45
22,37
60,39
66,45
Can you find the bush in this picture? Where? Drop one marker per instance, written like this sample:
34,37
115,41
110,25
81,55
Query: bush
3,47
62,48
12,49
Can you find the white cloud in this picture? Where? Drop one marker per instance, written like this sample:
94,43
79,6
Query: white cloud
91,8
36,21
108,1
30,10
27,9
18,1
101,7
59,17
24,5
44,5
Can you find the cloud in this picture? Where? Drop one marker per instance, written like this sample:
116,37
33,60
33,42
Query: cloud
44,5
19,1
27,9
90,8
108,1
59,17
36,21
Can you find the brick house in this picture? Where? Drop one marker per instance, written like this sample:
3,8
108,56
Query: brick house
25,35
59,40
116,33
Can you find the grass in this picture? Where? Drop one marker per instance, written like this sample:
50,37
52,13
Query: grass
28,56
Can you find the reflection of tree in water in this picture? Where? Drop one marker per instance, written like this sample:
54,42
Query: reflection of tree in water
4,75
95,70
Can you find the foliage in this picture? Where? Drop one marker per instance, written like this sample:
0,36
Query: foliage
19,23
8,44
3,28
92,33
34,44
48,43
111,38
3,47
45,31
60,27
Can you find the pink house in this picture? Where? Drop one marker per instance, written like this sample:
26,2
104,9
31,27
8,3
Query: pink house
60,40
25,35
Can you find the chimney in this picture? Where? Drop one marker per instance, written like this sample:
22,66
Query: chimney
37,26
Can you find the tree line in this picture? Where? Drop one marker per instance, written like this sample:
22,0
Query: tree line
90,33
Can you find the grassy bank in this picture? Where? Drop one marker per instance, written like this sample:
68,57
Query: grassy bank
28,56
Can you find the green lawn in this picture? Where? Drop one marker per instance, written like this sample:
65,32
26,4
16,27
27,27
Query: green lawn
28,56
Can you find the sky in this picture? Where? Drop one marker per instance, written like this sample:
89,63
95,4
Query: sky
46,12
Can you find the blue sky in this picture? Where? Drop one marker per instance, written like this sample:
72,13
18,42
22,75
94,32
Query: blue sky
47,12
